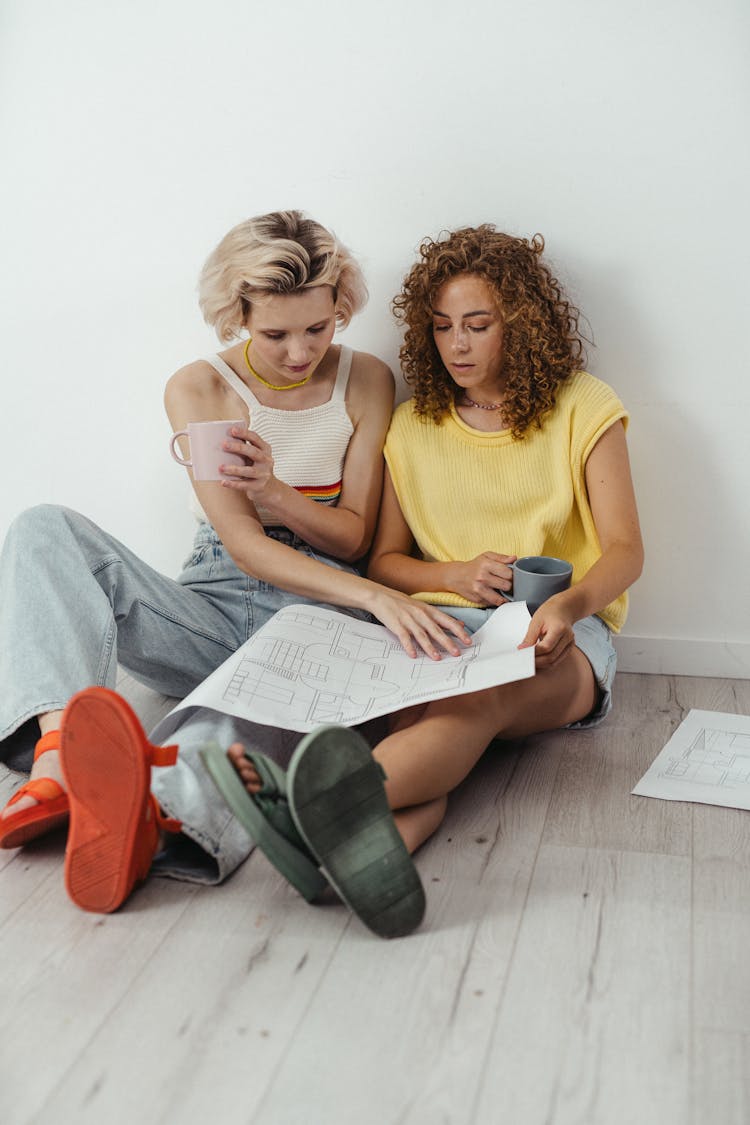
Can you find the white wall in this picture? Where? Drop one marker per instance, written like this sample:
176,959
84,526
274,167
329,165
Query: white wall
132,136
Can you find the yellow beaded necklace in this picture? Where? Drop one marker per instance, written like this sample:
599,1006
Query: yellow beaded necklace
272,386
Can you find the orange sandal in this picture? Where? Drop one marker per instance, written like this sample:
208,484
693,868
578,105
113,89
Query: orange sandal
50,811
114,820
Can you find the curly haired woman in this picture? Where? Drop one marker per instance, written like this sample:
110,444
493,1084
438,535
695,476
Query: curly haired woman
507,449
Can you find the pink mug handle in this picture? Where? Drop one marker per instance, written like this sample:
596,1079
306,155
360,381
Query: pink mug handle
172,440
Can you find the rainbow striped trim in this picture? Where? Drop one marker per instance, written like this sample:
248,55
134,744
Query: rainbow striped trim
326,494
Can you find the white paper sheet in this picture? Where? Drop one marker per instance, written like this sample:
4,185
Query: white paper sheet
707,760
310,665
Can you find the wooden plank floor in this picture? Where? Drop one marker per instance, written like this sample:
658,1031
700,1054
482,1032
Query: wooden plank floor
585,960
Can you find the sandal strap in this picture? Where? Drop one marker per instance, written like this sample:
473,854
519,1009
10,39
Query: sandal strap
164,823
270,773
272,798
48,741
41,788
266,817
162,755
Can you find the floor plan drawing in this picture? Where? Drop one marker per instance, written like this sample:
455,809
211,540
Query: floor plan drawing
714,757
706,760
310,665
332,671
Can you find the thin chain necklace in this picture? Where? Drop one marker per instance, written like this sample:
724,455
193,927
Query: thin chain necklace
272,386
481,405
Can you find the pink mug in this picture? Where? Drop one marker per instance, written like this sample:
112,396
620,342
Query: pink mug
205,440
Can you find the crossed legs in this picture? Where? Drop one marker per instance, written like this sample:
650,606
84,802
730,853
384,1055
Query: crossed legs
432,748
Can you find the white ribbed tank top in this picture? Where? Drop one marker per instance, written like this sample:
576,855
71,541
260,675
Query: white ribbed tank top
309,446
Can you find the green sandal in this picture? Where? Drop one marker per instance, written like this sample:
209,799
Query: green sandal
338,802
266,817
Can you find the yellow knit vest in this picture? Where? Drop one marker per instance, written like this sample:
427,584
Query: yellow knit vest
463,492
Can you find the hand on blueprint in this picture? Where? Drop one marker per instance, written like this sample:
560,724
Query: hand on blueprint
551,632
484,579
419,627
310,665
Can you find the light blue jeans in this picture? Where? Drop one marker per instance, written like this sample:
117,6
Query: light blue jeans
74,602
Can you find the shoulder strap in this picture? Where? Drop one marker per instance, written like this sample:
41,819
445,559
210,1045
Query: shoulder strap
234,380
342,375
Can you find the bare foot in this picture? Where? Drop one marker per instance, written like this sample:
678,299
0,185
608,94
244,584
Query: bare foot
246,770
48,765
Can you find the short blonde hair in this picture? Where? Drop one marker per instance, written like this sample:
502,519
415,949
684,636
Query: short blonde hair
282,252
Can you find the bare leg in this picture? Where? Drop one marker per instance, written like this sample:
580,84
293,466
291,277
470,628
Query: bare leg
400,720
48,765
433,755
417,824
50,721
432,748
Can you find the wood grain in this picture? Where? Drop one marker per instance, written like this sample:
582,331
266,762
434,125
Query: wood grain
584,960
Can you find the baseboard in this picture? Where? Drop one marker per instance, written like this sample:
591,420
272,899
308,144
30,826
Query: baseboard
683,657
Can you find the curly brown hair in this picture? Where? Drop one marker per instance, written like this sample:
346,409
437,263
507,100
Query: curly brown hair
542,344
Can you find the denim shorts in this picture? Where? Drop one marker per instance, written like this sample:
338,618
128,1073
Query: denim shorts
594,640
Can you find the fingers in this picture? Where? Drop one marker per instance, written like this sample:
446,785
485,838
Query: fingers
438,632
415,636
452,625
532,636
246,443
244,433
551,641
485,579
506,560
421,627
404,636
555,655
254,471
257,472
493,577
488,595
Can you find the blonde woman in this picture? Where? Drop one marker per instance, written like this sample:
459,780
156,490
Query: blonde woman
283,526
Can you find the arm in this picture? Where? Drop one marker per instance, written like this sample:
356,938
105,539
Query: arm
612,498
344,531
480,580
194,395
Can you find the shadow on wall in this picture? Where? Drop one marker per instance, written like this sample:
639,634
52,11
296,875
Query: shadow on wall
689,524
687,503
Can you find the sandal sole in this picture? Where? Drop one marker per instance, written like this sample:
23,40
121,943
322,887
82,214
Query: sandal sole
34,822
108,779
339,805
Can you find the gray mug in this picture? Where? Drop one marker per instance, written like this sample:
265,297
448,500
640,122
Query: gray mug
536,578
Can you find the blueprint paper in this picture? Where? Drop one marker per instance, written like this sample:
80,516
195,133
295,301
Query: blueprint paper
310,665
707,760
